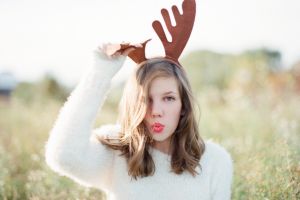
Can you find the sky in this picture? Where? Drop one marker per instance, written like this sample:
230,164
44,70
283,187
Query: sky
59,36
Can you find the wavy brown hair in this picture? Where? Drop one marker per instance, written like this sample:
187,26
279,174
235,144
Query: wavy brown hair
134,140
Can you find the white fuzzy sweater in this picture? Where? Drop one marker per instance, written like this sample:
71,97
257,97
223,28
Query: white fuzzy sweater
73,151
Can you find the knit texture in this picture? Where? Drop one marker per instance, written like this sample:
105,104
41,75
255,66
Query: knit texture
72,150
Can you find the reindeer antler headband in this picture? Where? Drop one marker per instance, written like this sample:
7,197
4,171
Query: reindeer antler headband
180,33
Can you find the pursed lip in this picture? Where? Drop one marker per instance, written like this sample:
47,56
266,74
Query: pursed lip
157,127
157,124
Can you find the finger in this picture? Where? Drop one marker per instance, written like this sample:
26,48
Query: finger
127,51
116,54
111,49
137,45
102,47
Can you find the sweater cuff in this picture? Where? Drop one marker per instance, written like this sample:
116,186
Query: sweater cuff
101,73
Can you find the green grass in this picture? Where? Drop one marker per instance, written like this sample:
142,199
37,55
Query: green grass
261,132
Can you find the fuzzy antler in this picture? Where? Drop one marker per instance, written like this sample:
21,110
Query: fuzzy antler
180,32
138,54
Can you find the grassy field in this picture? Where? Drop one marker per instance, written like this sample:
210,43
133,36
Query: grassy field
262,133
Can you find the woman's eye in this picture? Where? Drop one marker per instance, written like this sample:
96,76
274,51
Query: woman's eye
169,98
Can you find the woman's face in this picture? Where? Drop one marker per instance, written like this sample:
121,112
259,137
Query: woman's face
163,112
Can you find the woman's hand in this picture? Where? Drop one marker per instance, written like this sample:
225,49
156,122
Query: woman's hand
115,50
110,57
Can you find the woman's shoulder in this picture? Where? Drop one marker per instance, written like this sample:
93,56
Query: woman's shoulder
214,148
215,153
218,165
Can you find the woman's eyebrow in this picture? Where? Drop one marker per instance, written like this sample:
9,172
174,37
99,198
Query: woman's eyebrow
170,92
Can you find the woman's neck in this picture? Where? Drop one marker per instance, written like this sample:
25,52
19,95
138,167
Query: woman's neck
163,146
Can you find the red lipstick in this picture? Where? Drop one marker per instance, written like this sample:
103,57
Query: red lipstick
157,127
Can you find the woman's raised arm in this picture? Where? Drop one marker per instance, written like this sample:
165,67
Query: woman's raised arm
70,150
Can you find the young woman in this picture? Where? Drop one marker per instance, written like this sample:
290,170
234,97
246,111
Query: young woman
154,152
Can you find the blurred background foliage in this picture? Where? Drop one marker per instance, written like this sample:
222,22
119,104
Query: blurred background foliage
249,103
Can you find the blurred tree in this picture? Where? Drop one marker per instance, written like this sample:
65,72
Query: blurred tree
207,68
25,91
45,89
270,58
295,72
247,71
51,88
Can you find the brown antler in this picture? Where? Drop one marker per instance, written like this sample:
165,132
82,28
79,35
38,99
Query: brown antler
180,32
138,54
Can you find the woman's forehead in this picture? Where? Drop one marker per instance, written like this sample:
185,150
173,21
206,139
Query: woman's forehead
163,85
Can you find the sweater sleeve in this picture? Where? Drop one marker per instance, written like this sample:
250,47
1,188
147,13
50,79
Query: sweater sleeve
222,173
70,150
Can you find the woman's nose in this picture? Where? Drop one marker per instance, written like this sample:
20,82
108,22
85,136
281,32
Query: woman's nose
156,109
